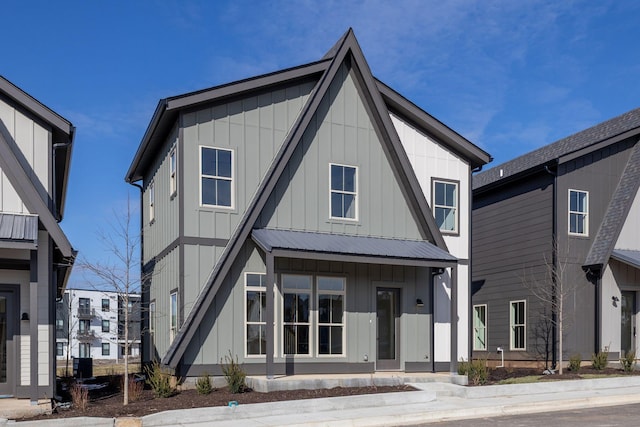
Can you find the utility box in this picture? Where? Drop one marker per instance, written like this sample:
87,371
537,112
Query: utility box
82,367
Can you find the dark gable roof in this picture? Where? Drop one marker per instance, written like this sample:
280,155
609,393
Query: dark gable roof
346,49
617,212
607,130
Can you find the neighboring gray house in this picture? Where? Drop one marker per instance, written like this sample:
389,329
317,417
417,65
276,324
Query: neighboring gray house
283,223
581,192
35,255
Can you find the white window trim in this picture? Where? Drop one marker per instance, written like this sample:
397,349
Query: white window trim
173,331
456,208
310,323
246,323
152,202
152,326
232,179
173,168
355,194
344,316
586,213
512,325
486,317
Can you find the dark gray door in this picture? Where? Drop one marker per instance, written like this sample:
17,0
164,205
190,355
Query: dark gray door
388,328
628,322
7,349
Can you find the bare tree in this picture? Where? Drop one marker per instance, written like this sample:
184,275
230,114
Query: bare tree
553,288
119,272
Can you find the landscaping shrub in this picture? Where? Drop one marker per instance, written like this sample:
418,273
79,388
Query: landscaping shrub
628,362
159,380
574,363
79,396
600,360
203,384
476,370
234,374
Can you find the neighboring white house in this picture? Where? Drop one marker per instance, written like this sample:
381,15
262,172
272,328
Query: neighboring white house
94,323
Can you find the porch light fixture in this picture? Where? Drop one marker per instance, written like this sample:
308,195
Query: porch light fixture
25,316
419,302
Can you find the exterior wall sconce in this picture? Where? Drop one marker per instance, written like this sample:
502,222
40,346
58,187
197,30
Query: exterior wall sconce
614,300
419,302
25,316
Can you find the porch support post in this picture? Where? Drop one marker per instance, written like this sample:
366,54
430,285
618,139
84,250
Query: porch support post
269,333
33,326
454,320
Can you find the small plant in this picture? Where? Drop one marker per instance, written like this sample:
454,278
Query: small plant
234,374
476,370
574,363
135,387
79,396
203,384
600,360
628,362
159,380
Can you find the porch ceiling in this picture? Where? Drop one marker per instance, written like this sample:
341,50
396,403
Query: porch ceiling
300,244
629,257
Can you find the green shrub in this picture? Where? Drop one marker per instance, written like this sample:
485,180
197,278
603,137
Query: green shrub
203,384
574,363
476,370
628,362
234,374
600,359
159,380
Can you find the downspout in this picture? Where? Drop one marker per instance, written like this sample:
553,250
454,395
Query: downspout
554,263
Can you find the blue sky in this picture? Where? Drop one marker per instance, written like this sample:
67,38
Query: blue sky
510,76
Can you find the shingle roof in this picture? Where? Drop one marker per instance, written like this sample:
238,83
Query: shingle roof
271,239
617,212
605,130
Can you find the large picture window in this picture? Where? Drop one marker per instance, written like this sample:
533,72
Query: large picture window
480,327
216,177
578,212
296,314
518,316
343,192
256,306
445,205
331,292
173,315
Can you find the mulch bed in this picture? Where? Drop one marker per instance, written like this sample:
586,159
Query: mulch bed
499,374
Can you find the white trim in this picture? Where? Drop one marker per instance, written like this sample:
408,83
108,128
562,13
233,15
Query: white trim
485,326
173,172
354,193
244,311
343,324
231,180
173,330
152,202
512,325
585,213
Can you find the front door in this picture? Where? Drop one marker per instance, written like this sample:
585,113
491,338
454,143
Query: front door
7,325
388,329
628,322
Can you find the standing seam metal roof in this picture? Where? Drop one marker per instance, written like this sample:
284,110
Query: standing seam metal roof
605,130
18,227
628,257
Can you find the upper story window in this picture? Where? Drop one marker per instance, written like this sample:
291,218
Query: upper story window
105,304
152,201
173,188
445,205
578,212
344,192
216,177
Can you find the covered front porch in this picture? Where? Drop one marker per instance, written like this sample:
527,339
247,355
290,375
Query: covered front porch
383,287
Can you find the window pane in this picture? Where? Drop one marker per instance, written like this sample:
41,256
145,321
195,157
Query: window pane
303,339
337,178
289,307
349,206
253,306
336,340
289,333
255,280
336,308
349,179
224,192
255,339
336,205
439,193
450,196
209,191
209,161
224,163
303,308
323,340
330,284
296,282
324,308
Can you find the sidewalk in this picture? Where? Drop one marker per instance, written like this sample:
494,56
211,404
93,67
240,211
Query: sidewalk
433,403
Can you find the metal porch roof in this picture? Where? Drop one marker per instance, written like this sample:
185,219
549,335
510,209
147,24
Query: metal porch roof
627,256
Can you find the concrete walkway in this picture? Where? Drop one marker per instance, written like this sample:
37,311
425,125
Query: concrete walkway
436,401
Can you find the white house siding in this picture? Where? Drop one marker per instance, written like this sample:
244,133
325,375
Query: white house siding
432,160
34,143
630,235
